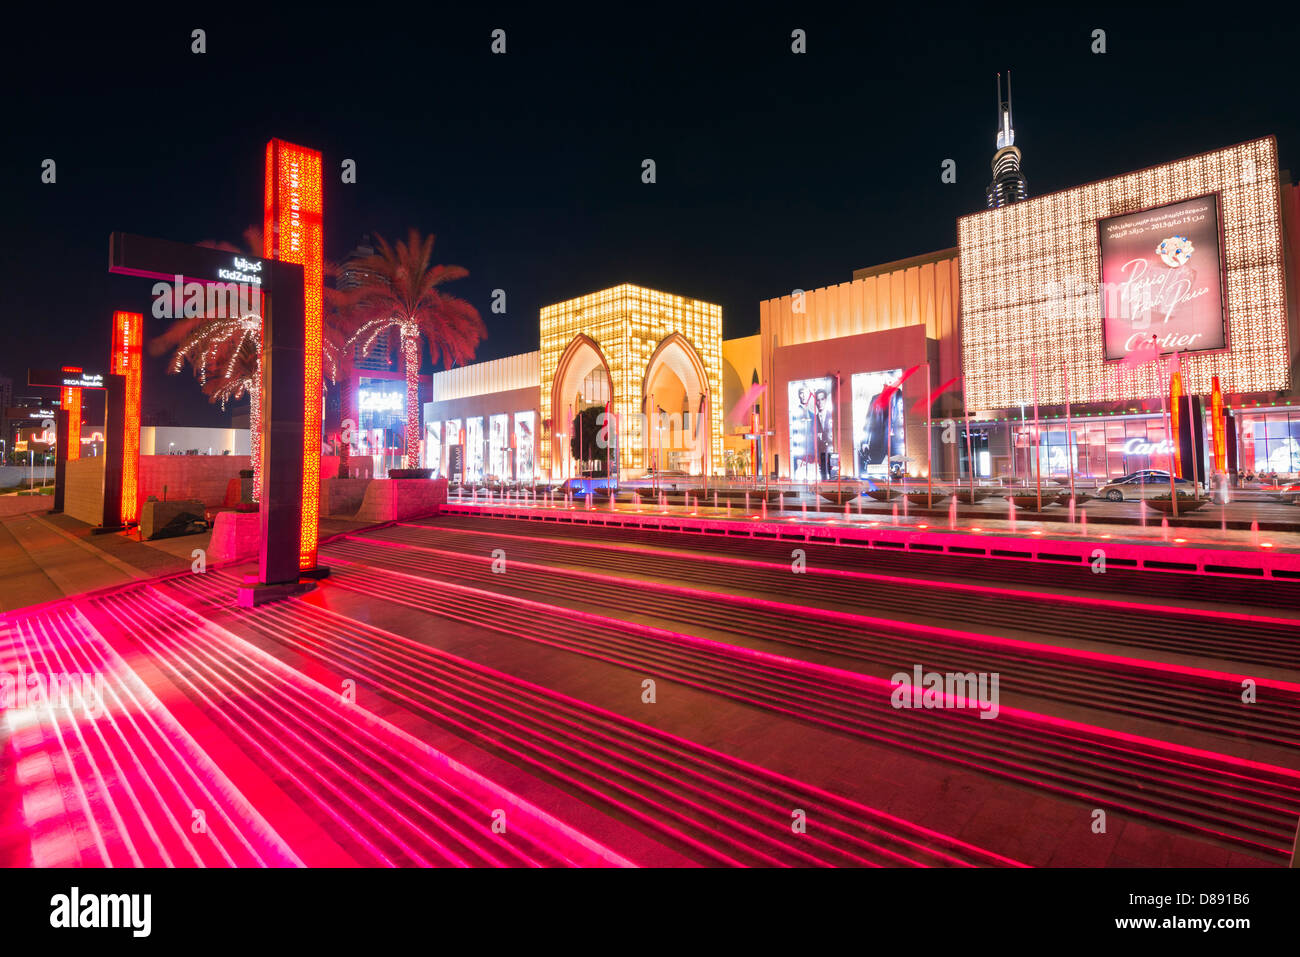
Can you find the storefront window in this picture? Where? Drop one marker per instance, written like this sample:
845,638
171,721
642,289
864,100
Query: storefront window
474,450
1271,442
433,448
498,444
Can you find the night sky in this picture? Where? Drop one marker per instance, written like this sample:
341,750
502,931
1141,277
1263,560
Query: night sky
775,170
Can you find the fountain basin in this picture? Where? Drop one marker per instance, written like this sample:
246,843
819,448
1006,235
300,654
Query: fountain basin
839,496
925,499
883,494
1029,503
965,497
1166,506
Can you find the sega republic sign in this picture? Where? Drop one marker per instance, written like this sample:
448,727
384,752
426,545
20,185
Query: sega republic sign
1162,277
66,377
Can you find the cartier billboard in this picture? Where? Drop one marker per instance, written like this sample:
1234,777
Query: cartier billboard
1161,276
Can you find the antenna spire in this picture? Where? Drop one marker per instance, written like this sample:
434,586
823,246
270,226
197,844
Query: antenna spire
1008,99
1008,184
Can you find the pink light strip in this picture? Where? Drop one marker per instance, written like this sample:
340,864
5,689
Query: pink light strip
852,677
1170,610
400,641
183,645
216,640
1035,776
126,695
855,618
854,534
215,788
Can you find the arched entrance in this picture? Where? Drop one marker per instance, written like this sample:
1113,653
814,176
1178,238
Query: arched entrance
581,379
678,405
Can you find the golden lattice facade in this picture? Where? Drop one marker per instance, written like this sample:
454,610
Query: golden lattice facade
628,324
1011,259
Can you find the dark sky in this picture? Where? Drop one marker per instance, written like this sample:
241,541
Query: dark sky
775,171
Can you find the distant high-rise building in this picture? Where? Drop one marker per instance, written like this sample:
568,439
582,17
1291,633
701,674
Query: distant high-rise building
1009,184
377,358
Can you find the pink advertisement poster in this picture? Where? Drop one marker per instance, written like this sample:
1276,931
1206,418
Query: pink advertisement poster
1161,276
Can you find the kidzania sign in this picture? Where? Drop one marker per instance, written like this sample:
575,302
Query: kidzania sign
1162,276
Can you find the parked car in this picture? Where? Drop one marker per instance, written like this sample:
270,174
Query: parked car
1147,483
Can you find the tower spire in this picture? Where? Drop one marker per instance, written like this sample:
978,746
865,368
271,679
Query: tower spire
1009,184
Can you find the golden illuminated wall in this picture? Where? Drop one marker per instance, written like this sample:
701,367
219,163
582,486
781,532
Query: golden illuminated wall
628,323
1011,259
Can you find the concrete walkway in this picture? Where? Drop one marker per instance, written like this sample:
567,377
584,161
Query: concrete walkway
46,557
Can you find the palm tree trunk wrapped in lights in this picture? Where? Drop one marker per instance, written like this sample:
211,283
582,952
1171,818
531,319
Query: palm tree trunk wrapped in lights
396,289
226,355
411,363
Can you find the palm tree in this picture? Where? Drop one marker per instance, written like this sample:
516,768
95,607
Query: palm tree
397,288
226,352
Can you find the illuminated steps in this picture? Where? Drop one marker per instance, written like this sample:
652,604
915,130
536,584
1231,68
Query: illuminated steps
1202,702
1218,797
384,797
707,806
126,784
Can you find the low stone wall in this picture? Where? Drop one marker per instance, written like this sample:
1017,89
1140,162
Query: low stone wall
394,500
236,537
12,476
343,497
200,477
83,490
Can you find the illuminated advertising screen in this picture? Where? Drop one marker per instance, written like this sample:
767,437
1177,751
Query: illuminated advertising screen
474,449
433,448
812,428
381,404
524,451
1161,276
498,443
878,431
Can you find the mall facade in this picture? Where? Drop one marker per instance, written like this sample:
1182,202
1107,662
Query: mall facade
1088,310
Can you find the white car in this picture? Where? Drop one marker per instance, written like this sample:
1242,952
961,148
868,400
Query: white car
1149,483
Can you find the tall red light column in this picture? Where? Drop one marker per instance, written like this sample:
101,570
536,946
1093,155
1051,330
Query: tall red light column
294,232
128,333
1175,394
70,402
1218,426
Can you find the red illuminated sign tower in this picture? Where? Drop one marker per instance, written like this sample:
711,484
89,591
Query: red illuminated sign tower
294,233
